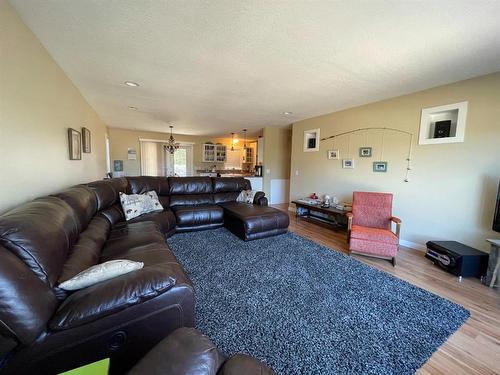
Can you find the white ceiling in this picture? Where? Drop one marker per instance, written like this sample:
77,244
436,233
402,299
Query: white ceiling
212,67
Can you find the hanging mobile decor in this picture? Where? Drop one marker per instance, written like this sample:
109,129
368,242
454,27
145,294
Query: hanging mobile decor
382,166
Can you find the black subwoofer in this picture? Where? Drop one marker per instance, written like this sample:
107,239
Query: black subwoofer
457,258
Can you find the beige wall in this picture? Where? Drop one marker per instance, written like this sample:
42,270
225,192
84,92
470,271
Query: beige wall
452,188
121,140
37,105
277,151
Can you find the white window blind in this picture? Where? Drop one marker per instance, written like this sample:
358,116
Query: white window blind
150,155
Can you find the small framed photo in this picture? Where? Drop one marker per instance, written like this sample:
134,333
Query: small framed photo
348,163
379,166
75,144
365,152
86,140
333,154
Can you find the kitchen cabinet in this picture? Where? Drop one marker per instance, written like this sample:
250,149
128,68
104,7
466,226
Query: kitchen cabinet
248,155
213,153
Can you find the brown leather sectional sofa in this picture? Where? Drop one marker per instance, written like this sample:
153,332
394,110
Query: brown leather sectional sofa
50,239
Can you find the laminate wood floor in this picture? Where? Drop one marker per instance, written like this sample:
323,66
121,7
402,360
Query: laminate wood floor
475,347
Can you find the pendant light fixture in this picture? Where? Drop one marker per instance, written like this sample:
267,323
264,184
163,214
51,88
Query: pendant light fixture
171,145
232,141
245,140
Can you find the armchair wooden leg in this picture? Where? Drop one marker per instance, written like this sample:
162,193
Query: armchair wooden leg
393,261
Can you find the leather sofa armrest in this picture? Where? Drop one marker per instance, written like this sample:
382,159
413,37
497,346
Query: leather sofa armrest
113,295
242,364
260,199
185,351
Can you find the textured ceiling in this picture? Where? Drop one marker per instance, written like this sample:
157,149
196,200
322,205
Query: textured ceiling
212,67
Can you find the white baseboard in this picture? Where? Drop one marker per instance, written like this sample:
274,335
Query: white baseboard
413,245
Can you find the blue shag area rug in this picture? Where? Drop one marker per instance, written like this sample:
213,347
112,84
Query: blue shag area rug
305,309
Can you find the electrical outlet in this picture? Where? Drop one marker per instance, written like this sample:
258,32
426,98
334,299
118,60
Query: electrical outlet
296,172
268,171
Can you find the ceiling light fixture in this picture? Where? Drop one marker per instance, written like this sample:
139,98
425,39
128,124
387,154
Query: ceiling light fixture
131,84
171,145
287,113
133,108
233,141
245,141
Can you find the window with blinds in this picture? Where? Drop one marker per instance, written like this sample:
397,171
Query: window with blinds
155,161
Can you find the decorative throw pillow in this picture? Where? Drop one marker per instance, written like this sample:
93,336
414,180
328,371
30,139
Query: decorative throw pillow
100,272
246,196
137,204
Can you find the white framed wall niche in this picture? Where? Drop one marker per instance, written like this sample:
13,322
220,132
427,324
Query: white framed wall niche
443,124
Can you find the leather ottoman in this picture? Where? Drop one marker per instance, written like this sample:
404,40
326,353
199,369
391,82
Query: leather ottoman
251,222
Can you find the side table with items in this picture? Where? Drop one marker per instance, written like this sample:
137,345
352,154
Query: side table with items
330,215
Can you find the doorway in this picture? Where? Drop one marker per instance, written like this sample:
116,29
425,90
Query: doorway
180,163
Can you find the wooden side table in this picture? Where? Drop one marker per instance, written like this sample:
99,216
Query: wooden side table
310,210
493,264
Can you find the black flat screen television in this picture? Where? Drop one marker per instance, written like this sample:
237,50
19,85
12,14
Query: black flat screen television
496,218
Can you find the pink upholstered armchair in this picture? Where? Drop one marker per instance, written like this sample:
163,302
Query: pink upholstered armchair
369,226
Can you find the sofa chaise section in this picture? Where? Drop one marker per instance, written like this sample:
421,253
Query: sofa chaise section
44,329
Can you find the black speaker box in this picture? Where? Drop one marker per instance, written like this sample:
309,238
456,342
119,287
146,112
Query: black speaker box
457,258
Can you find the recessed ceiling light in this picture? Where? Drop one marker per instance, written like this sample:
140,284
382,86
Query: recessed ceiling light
287,113
131,84
133,108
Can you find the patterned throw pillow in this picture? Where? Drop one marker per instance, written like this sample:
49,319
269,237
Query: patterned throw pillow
246,196
137,204
101,272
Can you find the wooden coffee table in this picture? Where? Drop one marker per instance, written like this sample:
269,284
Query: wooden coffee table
339,221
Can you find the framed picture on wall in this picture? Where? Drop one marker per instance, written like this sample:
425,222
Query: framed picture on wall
365,152
333,154
348,163
75,144
379,166
86,140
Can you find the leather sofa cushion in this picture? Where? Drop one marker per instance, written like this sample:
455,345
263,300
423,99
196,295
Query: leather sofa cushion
230,184
107,191
143,184
231,197
113,214
242,364
111,296
87,251
129,235
149,254
26,302
83,201
184,351
120,184
164,219
40,233
190,185
191,200
188,216
226,197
